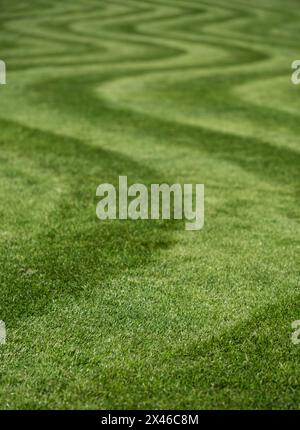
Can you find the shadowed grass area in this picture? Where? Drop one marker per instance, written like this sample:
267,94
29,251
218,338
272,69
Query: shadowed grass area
143,314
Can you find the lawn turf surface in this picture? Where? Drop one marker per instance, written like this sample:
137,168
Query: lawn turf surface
143,314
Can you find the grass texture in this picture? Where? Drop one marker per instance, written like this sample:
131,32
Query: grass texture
143,314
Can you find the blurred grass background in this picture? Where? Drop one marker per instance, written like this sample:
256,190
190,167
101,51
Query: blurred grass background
144,314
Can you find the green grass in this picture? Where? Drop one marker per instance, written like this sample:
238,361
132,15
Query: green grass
143,314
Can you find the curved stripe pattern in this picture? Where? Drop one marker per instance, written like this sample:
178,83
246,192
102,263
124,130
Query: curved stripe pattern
144,314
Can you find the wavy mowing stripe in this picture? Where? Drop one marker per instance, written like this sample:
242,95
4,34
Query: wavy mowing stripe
142,315
189,59
232,117
114,91
75,39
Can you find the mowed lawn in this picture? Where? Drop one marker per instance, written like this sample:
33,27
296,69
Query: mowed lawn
143,314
